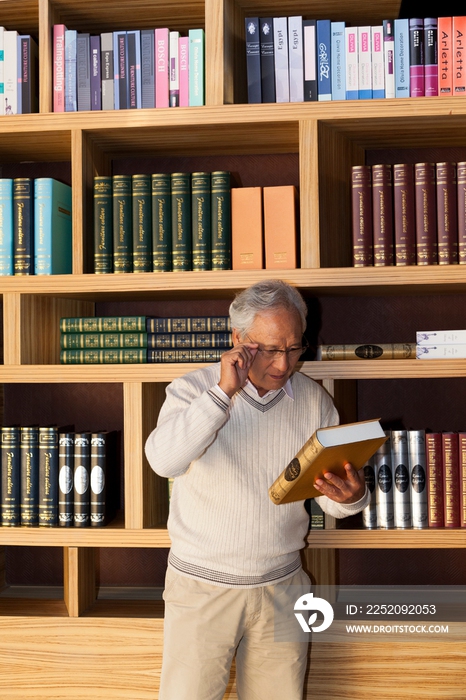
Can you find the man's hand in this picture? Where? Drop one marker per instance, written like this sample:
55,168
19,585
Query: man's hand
347,490
234,367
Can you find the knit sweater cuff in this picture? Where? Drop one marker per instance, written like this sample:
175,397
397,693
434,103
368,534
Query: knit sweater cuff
219,398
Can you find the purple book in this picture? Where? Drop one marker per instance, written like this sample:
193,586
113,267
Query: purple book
96,96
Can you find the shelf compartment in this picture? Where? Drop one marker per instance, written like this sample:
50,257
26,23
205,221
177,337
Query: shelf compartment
430,538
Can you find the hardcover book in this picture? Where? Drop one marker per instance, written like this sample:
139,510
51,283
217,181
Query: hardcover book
23,226
122,224
2,69
11,81
10,470
6,226
451,479
362,224
188,324
267,59
29,457
378,65
402,77
434,476
352,64
48,476
59,67
328,449
98,478
417,477
29,63
106,69
184,71
338,61
134,69
120,95
401,481
310,60
280,227
221,220
280,47
384,484
161,223
171,341
364,63
324,76
103,224
246,228
461,194
71,86
147,68
142,223
426,213
201,207
445,59
65,479
382,211
181,222
447,214
196,68
369,514
83,71
95,71
53,243
71,341
295,58
404,211
106,356
162,78
431,56
389,57
462,477
185,355
379,351
416,57
102,324
253,60
81,479
174,81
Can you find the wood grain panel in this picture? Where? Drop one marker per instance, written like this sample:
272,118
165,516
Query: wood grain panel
309,194
2,568
155,488
133,455
12,322
80,590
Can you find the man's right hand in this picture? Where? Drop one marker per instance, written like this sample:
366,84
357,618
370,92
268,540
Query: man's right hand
234,367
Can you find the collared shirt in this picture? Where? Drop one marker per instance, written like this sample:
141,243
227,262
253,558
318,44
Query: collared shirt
251,389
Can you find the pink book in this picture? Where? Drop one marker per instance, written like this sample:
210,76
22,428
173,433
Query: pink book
59,67
162,52
184,71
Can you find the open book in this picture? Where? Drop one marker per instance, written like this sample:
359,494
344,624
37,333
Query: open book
327,450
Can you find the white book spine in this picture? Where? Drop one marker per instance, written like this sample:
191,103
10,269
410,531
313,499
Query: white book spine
401,486
351,55
456,337
295,51
384,485
10,95
337,61
378,68
280,38
441,352
364,63
369,514
417,476
174,69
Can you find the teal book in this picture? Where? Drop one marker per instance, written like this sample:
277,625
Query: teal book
6,226
72,341
106,356
103,225
181,222
53,243
221,220
201,213
23,226
161,223
196,67
142,223
122,225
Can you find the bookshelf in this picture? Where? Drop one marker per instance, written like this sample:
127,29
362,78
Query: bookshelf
63,647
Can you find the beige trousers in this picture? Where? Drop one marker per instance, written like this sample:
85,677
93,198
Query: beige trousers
206,625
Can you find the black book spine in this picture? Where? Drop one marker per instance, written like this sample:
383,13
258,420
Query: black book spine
65,479
98,478
253,60
81,479
267,59
48,476
11,477
23,219
29,452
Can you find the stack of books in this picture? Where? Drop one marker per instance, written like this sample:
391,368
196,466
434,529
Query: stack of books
127,69
407,214
19,73
291,59
435,345
52,478
143,339
35,227
417,480
162,222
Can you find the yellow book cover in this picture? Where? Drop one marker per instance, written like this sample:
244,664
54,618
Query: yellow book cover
327,450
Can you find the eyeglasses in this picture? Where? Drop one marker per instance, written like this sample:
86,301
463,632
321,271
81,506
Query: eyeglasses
291,353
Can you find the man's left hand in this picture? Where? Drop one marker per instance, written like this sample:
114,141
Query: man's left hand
347,490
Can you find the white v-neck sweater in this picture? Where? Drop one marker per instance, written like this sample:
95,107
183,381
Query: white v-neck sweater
225,454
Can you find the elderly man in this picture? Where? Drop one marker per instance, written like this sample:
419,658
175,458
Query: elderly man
225,432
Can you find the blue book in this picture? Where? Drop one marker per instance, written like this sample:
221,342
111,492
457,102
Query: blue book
338,61
401,56
52,227
324,80
134,69
196,67
253,59
6,226
71,100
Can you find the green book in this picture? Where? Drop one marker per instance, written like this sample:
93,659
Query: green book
71,341
103,225
53,239
161,223
48,476
221,220
102,324
181,222
106,356
122,225
23,226
186,355
201,213
142,223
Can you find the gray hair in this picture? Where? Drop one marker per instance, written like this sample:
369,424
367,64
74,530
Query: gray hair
263,297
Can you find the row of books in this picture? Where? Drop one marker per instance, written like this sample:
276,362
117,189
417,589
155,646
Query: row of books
19,73
417,479
51,477
291,59
148,341
162,222
35,227
127,69
434,345
409,214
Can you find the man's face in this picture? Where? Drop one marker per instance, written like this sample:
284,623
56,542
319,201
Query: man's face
279,329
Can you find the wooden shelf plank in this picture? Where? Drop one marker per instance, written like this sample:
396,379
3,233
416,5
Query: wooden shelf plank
84,537
430,538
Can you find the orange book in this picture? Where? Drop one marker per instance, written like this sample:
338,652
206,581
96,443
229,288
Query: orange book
280,228
246,228
459,55
327,450
445,58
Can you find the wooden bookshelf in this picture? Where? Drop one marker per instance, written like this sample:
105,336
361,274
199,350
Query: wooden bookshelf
79,645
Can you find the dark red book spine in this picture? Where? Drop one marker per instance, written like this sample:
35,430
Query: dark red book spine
382,214
434,477
362,215
462,477
461,189
426,213
404,210
451,479
447,215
